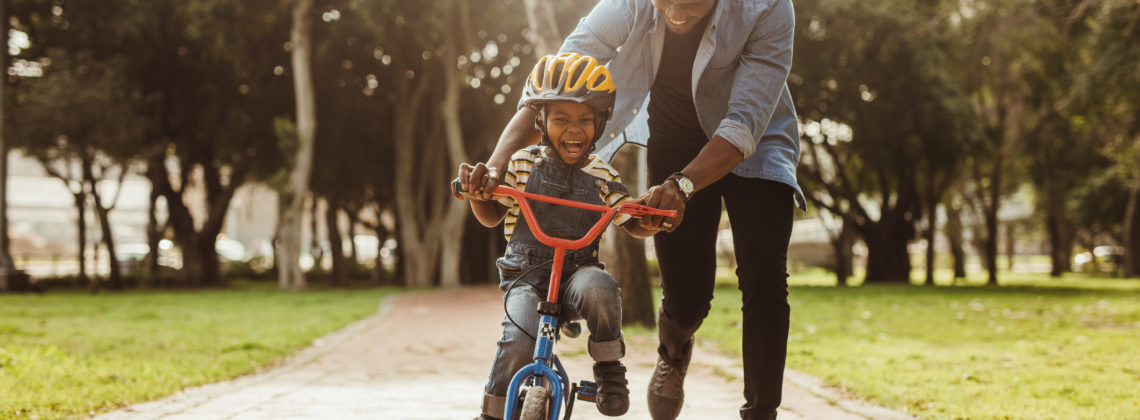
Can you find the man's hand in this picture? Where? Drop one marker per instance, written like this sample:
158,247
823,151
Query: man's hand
667,196
479,180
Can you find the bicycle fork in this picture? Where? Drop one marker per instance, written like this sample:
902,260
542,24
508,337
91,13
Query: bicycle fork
541,369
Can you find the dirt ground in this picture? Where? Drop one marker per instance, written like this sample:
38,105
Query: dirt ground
426,355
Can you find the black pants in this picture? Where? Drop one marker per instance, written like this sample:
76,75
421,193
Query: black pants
760,213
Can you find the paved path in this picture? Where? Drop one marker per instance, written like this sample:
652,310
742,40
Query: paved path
426,356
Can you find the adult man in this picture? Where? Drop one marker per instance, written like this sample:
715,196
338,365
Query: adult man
721,126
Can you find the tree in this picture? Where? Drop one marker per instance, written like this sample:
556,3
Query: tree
220,90
875,141
1108,94
94,171
6,263
289,225
1008,44
429,72
953,231
78,120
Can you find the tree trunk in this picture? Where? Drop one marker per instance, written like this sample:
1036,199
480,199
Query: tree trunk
400,271
315,247
289,274
1010,244
543,35
989,255
887,257
115,277
456,214
954,237
625,254
1060,236
1132,230
199,257
336,243
352,261
416,225
379,274
844,257
81,224
991,216
199,260
931,227
1056,224
6,263
153,237
192,273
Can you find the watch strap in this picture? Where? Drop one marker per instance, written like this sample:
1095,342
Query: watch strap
676,178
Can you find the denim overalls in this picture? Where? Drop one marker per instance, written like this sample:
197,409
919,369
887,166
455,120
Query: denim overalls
587,290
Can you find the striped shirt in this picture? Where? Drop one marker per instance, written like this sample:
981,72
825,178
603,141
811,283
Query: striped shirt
518,173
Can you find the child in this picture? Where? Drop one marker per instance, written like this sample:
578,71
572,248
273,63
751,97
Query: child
574,98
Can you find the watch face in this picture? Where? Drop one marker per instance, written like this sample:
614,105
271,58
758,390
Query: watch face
686,184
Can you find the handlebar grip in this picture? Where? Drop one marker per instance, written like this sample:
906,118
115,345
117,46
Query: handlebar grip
456,187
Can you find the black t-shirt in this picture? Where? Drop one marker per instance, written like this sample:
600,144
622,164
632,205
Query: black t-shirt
675,133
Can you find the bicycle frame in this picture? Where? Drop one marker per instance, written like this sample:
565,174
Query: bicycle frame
544,357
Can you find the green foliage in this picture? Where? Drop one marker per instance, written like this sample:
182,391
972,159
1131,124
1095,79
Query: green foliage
1109,86
963,352
886,125
68,354
80,104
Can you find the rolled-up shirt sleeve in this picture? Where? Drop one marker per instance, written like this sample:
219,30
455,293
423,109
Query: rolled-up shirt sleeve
763,72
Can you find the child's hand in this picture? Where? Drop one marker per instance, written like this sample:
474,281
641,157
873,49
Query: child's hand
478,180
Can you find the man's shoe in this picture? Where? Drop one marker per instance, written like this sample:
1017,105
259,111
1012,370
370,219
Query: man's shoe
485,417
666,387
613,394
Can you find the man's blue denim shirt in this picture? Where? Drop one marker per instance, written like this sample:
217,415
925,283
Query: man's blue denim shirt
740,76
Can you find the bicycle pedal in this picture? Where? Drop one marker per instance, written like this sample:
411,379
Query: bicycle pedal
588,391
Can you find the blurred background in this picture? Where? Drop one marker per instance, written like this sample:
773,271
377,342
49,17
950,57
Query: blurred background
156,143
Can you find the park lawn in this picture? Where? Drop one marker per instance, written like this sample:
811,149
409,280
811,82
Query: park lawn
73,354
1012,352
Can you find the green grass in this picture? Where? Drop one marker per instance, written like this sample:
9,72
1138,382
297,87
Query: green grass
71,354
1046,349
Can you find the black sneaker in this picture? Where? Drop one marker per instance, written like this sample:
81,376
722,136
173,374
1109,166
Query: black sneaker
613,395
666,391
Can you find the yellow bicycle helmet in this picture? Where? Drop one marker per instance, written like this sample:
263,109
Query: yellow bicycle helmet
572,77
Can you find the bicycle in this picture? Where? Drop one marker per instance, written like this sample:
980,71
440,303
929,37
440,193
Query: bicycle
539,401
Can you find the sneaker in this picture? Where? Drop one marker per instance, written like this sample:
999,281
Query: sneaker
613,395
666,391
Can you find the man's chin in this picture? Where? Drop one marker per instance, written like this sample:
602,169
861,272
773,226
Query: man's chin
679,30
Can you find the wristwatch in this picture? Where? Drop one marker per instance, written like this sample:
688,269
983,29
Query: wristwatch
684,183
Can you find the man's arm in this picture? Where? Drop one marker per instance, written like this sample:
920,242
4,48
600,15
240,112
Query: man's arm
757,85
518,134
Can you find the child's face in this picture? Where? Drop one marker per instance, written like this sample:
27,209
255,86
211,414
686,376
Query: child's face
570,126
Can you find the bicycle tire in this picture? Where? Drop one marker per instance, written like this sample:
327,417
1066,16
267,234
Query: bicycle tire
535,404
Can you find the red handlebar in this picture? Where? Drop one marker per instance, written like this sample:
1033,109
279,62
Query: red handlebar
559,244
